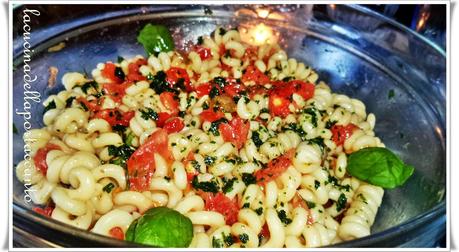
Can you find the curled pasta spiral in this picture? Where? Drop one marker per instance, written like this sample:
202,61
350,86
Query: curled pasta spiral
362,212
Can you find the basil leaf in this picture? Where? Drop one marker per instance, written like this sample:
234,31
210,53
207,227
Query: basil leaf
379,166
155,39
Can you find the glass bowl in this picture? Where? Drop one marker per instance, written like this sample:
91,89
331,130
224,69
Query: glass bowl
398,74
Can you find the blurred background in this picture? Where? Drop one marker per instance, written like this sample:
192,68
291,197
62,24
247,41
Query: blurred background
427,19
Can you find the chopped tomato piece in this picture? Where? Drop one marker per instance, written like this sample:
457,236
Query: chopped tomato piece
341,133
47,211
162,118
40,157
235,131
133,70
251,54
221,49
299,201
233,88
278,105
109,73
204,53
265,231
141,165
168,100
275,168
176,75
174,125
116,91
253,74
203,89
306,90
116,233
222,204
210,115
254,90
93,105
115,116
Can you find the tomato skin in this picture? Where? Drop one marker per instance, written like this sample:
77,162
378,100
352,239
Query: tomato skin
117,233
116,91
47,211
174,74
167,99
253,74
297,201
210,115
222,204
232,88
236,131
133,70
306,90
265,231
278,105
341,133
93,105
115,116
40,157
275,168
109,72
221,49
141,165
162,118
203,89
174,125
204,53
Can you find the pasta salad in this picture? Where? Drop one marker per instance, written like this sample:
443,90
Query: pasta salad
225,145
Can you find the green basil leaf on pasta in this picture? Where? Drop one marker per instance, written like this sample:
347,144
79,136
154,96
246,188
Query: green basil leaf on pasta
155,39
379,166
161,227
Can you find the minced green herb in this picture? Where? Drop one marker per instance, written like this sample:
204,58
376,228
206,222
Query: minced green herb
259,210
214,92
319,141
215,124
51,105
160,85
228,239
283,217
244,238
228,184
217,243
246,205
248,178
310,204
341,203
148,113
119,59
209,160
221,31
200,40
220,81
129,138
316,184
256,138
69,101
329,124
120,153
206,186
108,188
312,112
88,85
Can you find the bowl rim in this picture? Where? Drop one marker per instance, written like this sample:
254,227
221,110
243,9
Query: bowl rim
438,210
